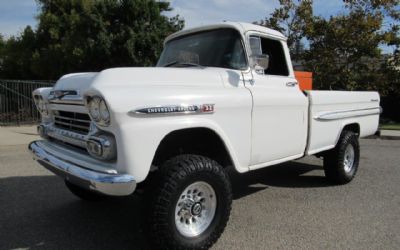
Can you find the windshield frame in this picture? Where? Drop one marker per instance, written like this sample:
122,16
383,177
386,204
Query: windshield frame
239,36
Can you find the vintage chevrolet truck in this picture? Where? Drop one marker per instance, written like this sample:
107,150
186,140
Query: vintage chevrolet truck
221,95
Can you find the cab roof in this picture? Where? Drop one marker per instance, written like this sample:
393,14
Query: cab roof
239,26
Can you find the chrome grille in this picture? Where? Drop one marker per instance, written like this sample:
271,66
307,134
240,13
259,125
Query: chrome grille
77,122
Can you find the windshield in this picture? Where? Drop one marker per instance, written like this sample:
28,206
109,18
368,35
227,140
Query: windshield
216,48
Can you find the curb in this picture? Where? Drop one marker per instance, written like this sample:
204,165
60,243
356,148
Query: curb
382,137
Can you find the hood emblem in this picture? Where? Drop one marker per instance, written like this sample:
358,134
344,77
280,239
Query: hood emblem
58,94
175,109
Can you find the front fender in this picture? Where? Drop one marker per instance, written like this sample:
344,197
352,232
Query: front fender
139,141
138,136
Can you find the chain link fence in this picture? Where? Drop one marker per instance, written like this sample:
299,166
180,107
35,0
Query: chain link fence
16,103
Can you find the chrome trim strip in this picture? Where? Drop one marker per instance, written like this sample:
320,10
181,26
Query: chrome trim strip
68,100
182,109
342,114
66,136
78,157
69,118
109,146
72,125
71,97
109,184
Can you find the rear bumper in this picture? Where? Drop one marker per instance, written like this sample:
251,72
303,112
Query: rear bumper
105,183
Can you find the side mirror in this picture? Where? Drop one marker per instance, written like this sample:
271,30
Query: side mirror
260,63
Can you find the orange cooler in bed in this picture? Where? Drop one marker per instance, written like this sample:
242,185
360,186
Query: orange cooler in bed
305,79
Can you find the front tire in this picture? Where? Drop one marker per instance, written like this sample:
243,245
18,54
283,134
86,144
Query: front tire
191,204
341,162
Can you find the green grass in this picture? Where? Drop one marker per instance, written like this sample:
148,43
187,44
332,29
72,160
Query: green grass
390,126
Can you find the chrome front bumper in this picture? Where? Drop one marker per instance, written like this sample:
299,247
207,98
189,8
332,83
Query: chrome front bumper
108,182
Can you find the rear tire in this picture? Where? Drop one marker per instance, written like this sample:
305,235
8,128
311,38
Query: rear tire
84,194
191,203
341,162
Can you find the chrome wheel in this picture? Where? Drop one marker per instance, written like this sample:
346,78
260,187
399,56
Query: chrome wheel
195,209
349,158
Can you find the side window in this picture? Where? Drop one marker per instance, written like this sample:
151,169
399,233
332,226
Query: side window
255,45
274,49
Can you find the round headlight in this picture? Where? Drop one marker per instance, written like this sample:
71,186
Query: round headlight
41,105
104,113
94,108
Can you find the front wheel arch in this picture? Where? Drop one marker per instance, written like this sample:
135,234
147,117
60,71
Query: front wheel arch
199,140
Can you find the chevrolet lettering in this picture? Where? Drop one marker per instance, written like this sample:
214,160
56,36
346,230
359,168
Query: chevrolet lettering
183,109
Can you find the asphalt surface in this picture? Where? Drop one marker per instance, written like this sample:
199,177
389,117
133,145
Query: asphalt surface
289,206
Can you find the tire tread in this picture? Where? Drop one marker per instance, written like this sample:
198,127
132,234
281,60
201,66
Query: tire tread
173,172
333,159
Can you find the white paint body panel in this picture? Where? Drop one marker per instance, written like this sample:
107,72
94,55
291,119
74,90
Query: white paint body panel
338,109
138,136
279,125
261,124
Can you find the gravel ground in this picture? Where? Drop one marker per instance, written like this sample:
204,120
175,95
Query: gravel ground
289,206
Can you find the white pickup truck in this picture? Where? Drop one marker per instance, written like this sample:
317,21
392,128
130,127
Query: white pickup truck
221,96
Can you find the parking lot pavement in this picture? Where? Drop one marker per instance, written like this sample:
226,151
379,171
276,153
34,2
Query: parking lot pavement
17,135
289,206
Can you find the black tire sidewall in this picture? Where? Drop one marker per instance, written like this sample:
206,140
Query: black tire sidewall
174,177
334,159
349,139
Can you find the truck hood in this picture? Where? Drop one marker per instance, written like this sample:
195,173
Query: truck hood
143,77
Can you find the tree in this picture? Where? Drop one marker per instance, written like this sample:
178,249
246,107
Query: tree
16,55
292,18
345,49
2,45
91,35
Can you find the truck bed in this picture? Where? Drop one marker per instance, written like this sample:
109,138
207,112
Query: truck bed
331,111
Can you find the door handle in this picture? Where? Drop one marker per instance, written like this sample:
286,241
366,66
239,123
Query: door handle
291,84
251,81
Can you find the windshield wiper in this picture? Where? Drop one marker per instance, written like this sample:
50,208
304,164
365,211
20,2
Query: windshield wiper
188,64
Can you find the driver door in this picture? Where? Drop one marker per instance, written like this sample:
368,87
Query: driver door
279,116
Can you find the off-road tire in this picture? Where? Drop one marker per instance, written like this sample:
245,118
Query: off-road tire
335,159
174,176
84,194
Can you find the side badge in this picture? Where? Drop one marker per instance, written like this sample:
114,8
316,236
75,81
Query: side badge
176,109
